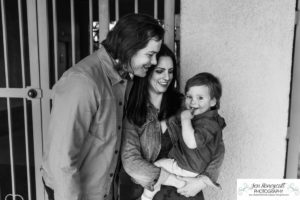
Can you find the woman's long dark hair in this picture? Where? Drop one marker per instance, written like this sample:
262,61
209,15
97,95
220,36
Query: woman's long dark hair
131,33
139,95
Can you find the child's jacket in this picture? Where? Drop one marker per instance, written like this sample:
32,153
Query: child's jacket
208,128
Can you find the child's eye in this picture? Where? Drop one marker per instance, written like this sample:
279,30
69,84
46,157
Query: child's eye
200,98
188,97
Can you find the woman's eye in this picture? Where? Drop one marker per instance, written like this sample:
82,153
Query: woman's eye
159,71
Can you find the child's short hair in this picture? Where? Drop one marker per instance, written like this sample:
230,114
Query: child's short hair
209,80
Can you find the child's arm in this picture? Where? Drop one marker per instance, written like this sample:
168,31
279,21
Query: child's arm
187,129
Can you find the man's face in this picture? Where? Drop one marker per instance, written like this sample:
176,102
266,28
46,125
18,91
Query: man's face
144,58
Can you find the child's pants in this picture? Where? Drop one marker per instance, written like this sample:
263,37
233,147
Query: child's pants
172,167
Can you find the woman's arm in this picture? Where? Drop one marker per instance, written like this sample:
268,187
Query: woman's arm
208,178
142,171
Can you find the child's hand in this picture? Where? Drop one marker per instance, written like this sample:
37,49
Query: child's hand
187,114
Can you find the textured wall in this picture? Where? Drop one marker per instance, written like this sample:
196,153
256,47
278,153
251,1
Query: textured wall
248,45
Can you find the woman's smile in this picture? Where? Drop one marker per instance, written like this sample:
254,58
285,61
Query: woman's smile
162,75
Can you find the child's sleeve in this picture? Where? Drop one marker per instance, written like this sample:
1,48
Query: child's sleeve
213,169
205,131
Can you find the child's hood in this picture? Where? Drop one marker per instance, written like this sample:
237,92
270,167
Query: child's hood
221,121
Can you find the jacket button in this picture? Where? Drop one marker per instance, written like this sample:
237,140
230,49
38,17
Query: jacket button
116,151
111,174
120,103
105,195
119,127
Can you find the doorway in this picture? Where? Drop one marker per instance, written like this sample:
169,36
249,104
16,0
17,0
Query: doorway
40,39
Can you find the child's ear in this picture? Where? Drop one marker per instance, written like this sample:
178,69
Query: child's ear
213,102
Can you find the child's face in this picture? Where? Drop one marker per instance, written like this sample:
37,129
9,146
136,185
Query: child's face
198,98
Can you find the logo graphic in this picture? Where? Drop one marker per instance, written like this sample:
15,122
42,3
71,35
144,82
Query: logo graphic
268,189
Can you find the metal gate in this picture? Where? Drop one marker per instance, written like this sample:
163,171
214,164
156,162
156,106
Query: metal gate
20,113
40,40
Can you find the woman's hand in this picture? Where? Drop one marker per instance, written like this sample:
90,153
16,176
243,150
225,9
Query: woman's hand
192,187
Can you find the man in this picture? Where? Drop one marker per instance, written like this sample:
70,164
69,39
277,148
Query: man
84,136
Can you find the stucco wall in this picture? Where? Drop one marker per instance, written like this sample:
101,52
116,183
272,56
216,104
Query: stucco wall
248,45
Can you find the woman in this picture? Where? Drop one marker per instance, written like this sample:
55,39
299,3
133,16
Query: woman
152,100
84,136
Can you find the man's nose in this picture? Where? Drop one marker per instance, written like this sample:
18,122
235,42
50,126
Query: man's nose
153,60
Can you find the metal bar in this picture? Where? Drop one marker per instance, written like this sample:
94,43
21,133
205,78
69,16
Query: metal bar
136,6
11,149
155,9
13,92
11,152
91,25
24,100
117,16
5,43
33,42
103,19
55,40
169,22
73,32
27,150
43,33
21,30
23,92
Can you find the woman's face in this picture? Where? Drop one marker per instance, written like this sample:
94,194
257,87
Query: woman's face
144,58
162,75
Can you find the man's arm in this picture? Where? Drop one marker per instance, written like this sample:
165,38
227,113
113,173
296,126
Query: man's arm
73,109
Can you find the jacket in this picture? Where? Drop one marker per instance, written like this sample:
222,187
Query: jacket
141,146
84,134
208,128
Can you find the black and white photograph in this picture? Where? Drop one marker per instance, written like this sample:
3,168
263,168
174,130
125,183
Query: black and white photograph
149,100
